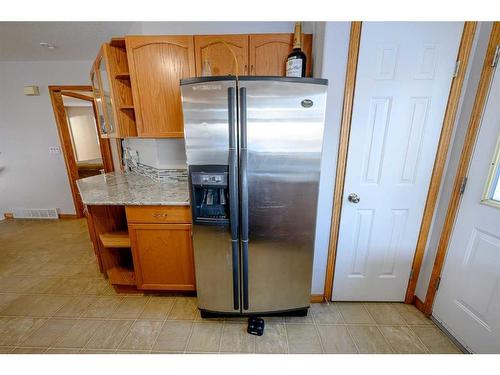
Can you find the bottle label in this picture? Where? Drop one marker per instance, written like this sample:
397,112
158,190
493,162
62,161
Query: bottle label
294,67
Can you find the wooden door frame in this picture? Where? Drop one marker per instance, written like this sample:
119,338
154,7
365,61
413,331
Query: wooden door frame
345,130
439,162
56,96
463,167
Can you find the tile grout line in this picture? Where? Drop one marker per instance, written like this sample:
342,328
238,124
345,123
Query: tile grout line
131,326
200,321
352,339
323,350
221,334
313,318
102,320
26,336
377,327
381,332
189,336
411,330
385,339
287,341
163,323
418,338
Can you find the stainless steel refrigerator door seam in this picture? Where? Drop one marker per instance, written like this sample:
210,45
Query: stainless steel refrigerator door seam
244,194
233,194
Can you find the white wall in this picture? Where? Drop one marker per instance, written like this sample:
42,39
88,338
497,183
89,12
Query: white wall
29,176
463,116
331,47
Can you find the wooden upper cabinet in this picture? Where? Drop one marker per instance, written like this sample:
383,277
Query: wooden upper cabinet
211,48
112,93
268,53
156,64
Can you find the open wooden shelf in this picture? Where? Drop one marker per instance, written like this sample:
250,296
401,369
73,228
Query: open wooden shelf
121,276
127,107
115,239
117,42
123,75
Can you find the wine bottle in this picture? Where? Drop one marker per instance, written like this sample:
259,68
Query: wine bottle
296,60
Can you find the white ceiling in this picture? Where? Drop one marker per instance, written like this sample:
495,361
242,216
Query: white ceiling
20,41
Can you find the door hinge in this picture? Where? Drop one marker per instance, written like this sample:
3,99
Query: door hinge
438,281
411,274
462,186
494,63
457,69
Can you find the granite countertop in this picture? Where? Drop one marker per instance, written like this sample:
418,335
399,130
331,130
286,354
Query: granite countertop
118,188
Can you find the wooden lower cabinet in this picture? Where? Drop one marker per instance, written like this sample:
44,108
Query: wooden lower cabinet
163,256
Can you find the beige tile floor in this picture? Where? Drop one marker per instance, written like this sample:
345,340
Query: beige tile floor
54,300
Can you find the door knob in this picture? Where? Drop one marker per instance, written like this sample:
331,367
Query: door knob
353,198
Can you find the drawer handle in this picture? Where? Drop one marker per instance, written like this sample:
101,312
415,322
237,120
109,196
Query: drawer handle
160,215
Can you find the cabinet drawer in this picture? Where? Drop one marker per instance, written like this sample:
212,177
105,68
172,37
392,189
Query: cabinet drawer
158,214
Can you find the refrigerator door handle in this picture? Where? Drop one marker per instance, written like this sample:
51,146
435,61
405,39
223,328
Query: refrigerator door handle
244,193
233,194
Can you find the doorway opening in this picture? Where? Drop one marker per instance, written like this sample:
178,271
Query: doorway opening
85,152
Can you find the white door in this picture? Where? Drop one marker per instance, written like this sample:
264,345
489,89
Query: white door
403,80
468,298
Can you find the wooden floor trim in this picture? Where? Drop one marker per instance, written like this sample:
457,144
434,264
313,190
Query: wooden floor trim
317,298
465,158
345,129
68,216
464,53
419,304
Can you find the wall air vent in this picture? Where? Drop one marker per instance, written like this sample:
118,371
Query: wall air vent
35,213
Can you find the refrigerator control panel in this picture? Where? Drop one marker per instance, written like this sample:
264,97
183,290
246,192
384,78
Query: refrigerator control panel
202,178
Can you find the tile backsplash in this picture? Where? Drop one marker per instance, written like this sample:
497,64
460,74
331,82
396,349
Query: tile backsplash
162,175
163,160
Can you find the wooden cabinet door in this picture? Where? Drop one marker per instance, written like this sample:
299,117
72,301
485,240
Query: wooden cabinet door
163,256
99,104
268,53
221,60
156,64
106,95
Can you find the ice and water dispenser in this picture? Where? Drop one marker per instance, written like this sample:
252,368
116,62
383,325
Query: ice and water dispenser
209,188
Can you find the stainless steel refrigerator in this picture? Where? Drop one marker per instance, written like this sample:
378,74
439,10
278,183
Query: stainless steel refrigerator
253,149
